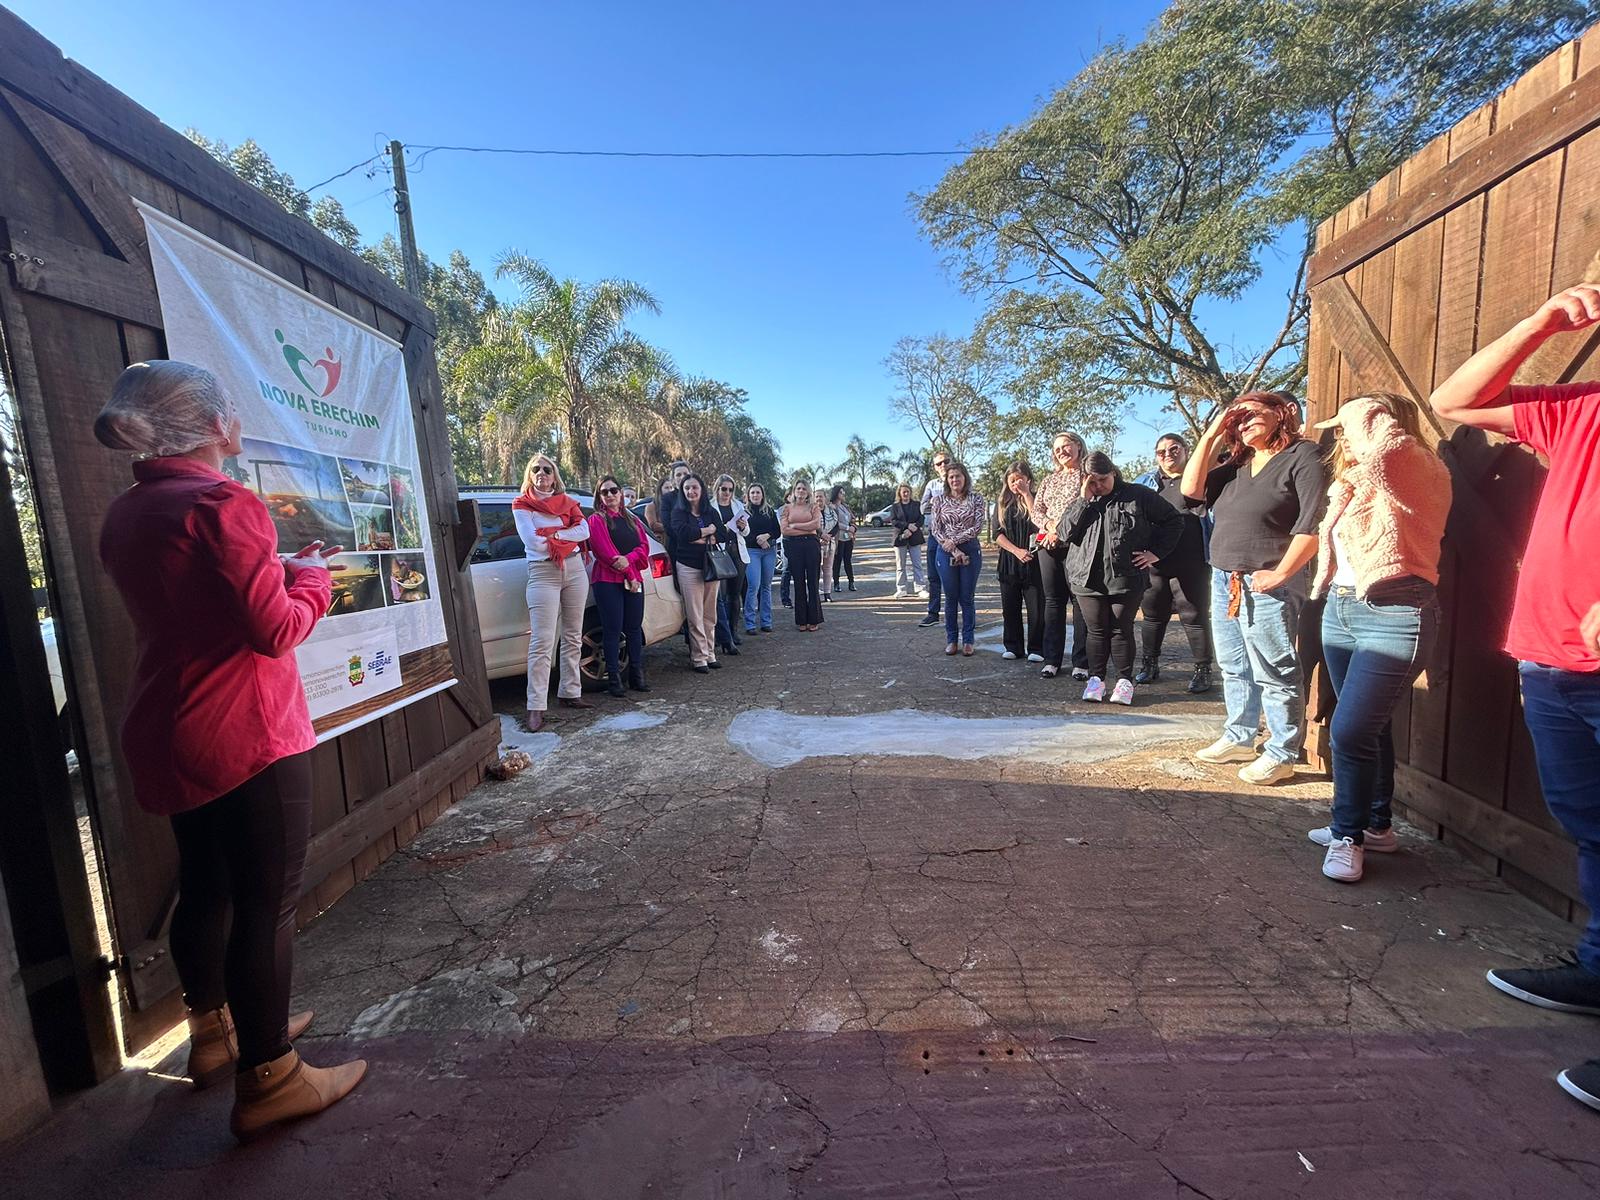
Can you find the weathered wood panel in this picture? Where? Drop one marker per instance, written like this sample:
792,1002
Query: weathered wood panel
1434,262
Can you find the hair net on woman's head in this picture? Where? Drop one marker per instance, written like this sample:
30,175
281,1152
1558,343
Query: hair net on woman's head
164,407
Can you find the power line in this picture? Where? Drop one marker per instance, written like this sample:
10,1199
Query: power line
343,173
553,152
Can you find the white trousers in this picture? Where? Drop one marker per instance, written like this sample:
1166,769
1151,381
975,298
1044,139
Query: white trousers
556,600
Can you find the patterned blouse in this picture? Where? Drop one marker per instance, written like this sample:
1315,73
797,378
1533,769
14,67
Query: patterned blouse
956,521
1055,495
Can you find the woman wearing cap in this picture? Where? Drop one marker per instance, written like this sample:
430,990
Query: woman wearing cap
1378,565
1267,500
555,536
216,733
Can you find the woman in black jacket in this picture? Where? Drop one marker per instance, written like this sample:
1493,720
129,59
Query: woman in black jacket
1114,532
1020,585
911,578
696,525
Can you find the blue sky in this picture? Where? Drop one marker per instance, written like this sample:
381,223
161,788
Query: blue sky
790,279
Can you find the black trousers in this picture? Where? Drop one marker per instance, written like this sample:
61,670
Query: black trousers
1057,596
1189,589
621,617
245,850
805,560
1110,621
1017,594
842,553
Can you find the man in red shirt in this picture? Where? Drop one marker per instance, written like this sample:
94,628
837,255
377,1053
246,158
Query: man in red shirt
1555,624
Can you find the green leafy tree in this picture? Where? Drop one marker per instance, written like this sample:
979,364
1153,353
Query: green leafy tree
252,164
1148,188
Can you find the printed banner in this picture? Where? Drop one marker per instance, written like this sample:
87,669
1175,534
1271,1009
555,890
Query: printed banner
330,448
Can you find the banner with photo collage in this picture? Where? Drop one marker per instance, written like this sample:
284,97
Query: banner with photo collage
330,447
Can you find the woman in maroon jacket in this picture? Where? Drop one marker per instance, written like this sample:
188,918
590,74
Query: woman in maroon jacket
217,731
621,556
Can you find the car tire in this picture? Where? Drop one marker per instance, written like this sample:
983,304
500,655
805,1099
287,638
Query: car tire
877,522
592,657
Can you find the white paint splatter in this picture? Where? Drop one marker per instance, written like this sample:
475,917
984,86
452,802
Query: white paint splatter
623,722
1304,1161
891,683
780,739
779,947
534,745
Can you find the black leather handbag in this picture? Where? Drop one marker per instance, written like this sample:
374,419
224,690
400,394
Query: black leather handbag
720,565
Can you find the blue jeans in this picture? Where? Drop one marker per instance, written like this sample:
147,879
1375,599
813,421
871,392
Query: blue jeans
1374,650
1260,668
758,596
1562,709
934,580
961,590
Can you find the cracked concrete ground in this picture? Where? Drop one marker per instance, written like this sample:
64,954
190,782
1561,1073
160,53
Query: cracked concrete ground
654,966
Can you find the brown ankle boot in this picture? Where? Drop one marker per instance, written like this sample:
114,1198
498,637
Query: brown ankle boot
214,1046
286,1089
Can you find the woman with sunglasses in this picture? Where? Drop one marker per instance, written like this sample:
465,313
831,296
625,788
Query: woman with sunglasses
1267,499
1058,491
761,544
554,534
696,526
1182,579
621,556
730,596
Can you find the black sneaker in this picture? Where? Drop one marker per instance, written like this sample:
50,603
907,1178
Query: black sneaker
929,620
1566,988
1149,671
1583,1083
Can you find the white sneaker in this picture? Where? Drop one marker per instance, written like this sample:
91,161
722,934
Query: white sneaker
1035,658
1095,690
902,595
1343,861
1123,692
1224,751
1008,655
922,593
1379,842
1267,770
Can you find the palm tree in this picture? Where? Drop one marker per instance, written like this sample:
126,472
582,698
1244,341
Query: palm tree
864,462
913,467
571,339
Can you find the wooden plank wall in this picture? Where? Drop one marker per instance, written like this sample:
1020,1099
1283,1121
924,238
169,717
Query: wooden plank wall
1445,254
72,154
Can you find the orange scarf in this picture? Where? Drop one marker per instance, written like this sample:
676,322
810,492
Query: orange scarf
561,506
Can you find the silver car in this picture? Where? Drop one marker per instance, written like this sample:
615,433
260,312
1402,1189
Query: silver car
500,578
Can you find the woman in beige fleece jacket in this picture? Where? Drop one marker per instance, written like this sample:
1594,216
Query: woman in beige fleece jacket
1378,564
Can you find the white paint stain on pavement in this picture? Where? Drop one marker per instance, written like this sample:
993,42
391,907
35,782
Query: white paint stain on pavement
623,722
534,745
779,739
779,947
471,998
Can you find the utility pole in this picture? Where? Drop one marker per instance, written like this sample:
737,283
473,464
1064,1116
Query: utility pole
402,208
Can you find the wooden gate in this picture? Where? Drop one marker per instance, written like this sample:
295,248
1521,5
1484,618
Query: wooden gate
78,303
1441,257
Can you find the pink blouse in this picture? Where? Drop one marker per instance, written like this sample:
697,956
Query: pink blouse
604,549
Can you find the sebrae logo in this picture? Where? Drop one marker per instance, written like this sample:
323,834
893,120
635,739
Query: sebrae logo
325,369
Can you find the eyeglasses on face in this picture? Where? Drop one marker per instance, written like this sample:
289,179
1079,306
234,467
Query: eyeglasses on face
727,487
610,491
541,469
1168,451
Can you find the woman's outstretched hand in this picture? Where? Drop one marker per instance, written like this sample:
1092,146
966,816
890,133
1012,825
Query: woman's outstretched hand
315,556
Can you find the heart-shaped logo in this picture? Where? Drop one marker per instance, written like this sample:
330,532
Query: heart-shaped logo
325,370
